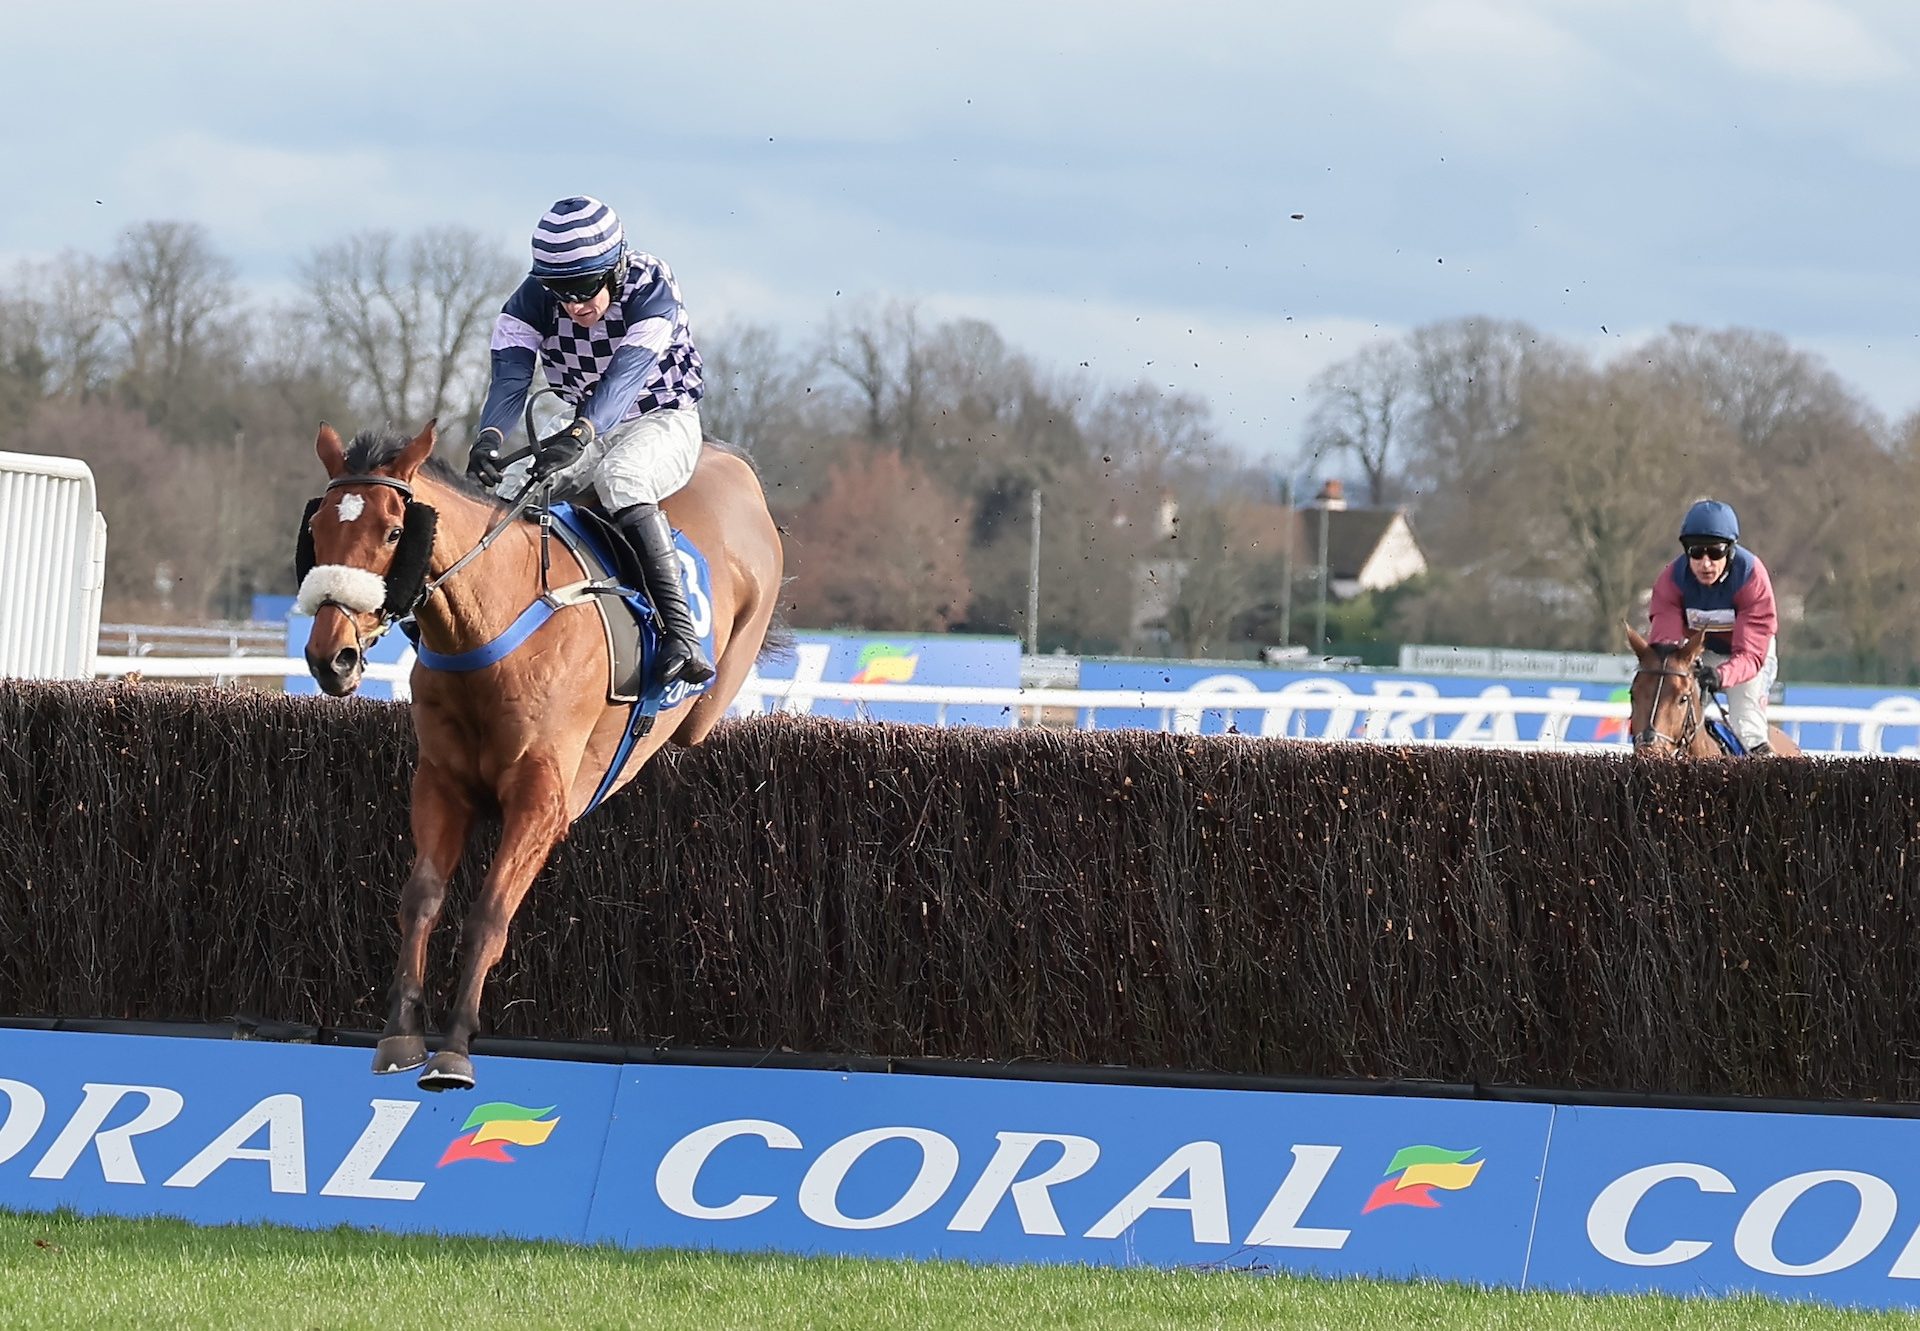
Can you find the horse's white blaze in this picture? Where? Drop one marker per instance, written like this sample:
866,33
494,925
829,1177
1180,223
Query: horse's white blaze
351,507
355,588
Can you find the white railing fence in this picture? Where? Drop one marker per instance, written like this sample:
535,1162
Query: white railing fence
1485,722
53,553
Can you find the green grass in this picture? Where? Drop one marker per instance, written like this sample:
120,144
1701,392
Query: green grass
66,1271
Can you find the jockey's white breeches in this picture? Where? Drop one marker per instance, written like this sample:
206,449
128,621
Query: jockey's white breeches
640,461
1747,703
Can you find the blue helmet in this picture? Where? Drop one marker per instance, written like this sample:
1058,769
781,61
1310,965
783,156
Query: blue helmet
1712,520
578,239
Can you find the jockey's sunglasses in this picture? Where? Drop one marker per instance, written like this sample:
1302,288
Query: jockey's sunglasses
1713,552
575,290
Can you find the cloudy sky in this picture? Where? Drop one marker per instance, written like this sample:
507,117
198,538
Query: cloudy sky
1105,181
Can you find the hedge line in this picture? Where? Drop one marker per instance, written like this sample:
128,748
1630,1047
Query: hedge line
1149,900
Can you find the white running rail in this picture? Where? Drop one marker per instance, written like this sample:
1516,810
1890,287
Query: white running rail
53,553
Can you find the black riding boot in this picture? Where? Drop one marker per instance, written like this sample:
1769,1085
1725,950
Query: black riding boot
1761,750
652,536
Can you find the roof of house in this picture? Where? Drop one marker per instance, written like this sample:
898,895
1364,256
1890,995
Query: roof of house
1353,534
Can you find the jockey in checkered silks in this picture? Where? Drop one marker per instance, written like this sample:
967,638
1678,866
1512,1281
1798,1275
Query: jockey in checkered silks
1720,586
606,324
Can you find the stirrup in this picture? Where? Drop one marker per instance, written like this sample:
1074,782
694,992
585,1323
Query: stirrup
682,661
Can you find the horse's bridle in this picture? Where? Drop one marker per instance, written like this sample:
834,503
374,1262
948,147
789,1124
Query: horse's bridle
408,587
1646,738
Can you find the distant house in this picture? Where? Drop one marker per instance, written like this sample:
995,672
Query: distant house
1368,549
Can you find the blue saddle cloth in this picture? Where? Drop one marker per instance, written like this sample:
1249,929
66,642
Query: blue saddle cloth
1723,736
589,532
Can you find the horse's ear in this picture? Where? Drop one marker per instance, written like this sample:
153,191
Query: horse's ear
1635,641
333,454
1695,641
416,452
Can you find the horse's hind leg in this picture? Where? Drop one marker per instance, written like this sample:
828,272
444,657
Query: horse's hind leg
533,811
441,816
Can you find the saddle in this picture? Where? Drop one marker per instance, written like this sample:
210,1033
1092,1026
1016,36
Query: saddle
614,581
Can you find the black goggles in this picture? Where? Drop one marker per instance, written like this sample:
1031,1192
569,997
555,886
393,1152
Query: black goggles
1716,551
575,290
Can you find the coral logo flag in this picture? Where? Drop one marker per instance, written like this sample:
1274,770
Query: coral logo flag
1417,1170
491,1127
883,663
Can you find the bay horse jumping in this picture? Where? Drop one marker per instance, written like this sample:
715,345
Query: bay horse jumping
530,733
1669,706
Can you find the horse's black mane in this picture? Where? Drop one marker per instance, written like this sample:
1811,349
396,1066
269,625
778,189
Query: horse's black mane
376,448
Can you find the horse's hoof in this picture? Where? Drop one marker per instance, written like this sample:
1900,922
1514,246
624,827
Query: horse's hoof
448,1071
399,1053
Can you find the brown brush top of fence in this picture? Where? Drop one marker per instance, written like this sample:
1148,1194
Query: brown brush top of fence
1123,897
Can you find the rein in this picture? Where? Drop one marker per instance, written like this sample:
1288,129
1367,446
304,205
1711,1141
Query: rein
417,547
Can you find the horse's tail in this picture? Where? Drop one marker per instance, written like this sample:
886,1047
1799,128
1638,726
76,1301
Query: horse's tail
779,643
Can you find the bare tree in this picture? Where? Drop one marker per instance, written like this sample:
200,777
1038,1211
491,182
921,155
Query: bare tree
1863,601
410,319
175,303
1470,422
1363,409
1218,581
1607,452
59,326
762,398
1803,436
883,355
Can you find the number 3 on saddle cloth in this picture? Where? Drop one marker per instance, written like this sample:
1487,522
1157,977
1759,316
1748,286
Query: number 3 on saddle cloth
613,577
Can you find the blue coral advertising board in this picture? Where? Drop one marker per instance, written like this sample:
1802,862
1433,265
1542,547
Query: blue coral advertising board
1688,1202
953,660
1527,1195
1013,1171
221,1131
1319,704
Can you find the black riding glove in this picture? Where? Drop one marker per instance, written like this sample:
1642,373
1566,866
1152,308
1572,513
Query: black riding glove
483,459
559,451
1708,675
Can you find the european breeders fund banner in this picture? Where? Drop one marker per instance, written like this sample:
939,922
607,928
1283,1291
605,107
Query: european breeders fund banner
1522,1195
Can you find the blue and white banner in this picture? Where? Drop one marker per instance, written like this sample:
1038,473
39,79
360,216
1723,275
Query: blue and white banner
1694,1202
1317,704
1894,729
224,1131
1303,704
839,658
987,1170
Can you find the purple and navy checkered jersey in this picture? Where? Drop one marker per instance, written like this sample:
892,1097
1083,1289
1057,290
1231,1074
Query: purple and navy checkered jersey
640,357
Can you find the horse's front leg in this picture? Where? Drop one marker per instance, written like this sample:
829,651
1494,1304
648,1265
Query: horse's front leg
533,813
442,814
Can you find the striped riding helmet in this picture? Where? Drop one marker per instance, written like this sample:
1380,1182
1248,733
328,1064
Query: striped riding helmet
579,238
